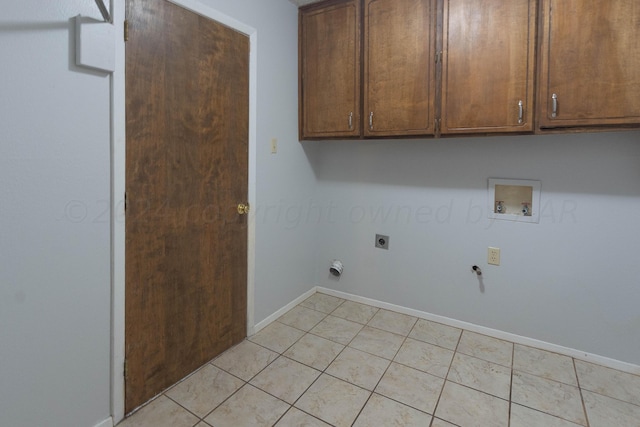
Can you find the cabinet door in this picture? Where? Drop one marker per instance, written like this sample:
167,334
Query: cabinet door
590,63
399,46
329,52
488,66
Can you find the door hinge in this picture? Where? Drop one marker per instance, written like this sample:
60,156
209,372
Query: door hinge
125,202
125,370
126,30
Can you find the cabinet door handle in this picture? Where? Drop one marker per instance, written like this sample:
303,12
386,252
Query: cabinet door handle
371,120
554,107
520,112
351,120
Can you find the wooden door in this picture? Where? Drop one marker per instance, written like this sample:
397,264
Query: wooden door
186,171
488,66
399,70
590,61
329,55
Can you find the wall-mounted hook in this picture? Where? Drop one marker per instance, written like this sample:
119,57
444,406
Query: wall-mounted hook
476,270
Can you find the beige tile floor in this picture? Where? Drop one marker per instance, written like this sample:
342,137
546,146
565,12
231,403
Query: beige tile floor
332,362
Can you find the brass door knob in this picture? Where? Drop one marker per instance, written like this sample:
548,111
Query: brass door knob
243,209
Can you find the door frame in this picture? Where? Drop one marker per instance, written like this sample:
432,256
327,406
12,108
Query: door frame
118,169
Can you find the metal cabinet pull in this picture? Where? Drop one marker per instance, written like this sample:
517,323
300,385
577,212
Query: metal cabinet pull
520,112
351,120
554,102
371,120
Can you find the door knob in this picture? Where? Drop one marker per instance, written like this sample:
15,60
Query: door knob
243,209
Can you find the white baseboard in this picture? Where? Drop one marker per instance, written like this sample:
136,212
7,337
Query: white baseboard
106,423
581,355
518,339
261,325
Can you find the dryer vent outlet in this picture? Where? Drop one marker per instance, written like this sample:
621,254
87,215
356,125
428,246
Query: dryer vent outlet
336,268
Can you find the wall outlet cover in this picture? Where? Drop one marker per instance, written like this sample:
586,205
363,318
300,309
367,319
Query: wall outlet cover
382,241
493,256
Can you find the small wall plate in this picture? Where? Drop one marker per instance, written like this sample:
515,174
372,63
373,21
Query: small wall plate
382,241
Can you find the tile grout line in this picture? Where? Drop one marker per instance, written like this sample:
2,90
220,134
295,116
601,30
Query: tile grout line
513,357
584,406
338,355
292,405
386,369
247,382
445,379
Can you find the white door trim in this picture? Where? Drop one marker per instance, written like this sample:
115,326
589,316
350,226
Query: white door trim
118,170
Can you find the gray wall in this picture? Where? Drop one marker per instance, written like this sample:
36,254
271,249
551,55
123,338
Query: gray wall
54,222
571,280
55,176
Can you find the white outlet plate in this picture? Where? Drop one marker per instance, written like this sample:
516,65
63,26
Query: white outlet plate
493,256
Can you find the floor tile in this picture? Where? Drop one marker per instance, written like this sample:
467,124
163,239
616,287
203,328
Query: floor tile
205,389
314,351
552,397
285,379
605,411
302,318
544,364
359,368
411,387
486,348
440,423
391,321
334,401
522,416
336,329
249,407
277,337
296,418
245,360
322,302
391,373
481,375
470,408
356,312
380,411
377,342
609,382
162,412
425,357
436,333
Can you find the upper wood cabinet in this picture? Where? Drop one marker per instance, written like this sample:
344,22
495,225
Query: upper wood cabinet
589,63
393,68
329,84
488,68
399,72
